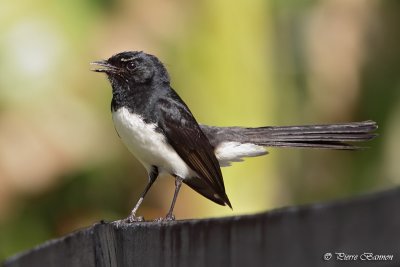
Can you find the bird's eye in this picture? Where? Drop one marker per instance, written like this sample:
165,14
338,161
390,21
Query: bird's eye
131,65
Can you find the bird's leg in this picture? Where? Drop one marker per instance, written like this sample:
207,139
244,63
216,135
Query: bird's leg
178,183
153,174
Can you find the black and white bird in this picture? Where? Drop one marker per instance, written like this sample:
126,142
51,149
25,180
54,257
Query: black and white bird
160,131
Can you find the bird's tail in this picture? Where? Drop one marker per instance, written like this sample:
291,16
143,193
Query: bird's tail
332,136
329,136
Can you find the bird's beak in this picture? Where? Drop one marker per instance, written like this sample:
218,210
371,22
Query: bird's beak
104,66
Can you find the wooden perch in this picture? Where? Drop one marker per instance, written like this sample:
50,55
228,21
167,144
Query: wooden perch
363,228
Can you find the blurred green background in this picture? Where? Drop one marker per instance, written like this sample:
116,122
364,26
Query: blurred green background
252,63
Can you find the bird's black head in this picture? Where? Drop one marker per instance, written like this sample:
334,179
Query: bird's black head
134,68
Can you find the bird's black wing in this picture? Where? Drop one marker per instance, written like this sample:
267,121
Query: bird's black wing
186,137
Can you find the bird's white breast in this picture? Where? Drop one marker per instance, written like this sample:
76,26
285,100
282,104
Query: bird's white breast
147,145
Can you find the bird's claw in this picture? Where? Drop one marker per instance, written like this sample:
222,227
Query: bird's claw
133,218
168,218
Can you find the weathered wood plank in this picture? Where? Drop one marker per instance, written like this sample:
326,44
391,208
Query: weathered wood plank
294,236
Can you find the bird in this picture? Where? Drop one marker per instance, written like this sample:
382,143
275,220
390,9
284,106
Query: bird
159,129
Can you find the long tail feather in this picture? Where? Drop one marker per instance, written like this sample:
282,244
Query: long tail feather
329,136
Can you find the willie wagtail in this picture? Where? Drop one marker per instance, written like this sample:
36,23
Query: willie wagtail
161,132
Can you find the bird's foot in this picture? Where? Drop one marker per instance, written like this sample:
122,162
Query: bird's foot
168,218
133,218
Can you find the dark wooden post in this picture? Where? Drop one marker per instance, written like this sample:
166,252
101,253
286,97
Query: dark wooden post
365,229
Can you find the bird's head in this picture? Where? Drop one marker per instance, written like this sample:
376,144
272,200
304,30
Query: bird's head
134,68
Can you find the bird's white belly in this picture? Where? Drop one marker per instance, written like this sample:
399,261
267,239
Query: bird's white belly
147,145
